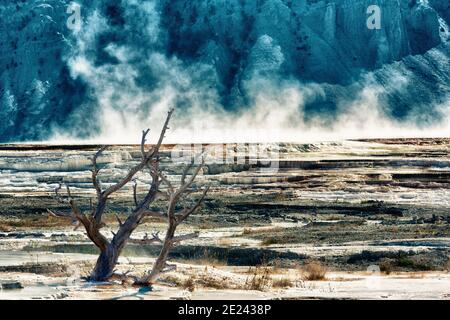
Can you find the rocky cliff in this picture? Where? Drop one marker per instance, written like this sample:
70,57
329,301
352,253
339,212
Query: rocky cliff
127,54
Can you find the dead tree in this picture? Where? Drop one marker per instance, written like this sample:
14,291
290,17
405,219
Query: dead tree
110,250
174,218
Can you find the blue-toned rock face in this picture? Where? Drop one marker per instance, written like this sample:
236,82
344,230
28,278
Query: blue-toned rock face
132,58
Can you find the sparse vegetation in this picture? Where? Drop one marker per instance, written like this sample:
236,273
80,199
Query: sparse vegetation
282,283
409,263
189,284
58,269
16,223
207,257
345,231
261,231
259,280
314,271
386,267
269,241
201,279
227,262
209,281
172,280
390,261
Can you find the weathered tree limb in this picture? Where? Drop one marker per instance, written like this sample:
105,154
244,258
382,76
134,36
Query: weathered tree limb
173,220
96,170
146,240
119,220
181,216
135,198
110,250
60,214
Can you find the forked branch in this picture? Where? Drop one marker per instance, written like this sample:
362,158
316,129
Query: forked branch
173,220
110,250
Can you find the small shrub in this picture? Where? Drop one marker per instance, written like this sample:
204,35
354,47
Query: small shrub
260,280
386,267
314,271
408,263
208,281
269,241
207,257
282,283
173,280
189,284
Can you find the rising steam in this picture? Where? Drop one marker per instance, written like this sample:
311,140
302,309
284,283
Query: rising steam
273,111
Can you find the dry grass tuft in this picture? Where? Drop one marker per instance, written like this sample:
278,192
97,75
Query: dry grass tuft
189,284
386,267
314,271
173,280
282,283
259,280
207,281
210,259
34,221
207,258
202,279
269,241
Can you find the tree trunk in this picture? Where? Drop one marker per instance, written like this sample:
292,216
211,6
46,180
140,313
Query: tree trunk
110,250
108,258
160,262
105,265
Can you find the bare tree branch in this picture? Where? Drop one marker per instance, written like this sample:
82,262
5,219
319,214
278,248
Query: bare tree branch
91,227
135,198
146,240
60,214
96,170
188,211
185,172
68,192
118,220
144,162
78,225
163,133
187,184
166,182
111,250
58,197
173,220
144,139
169,268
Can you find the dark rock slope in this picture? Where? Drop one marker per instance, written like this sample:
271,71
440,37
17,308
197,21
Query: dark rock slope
221,45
